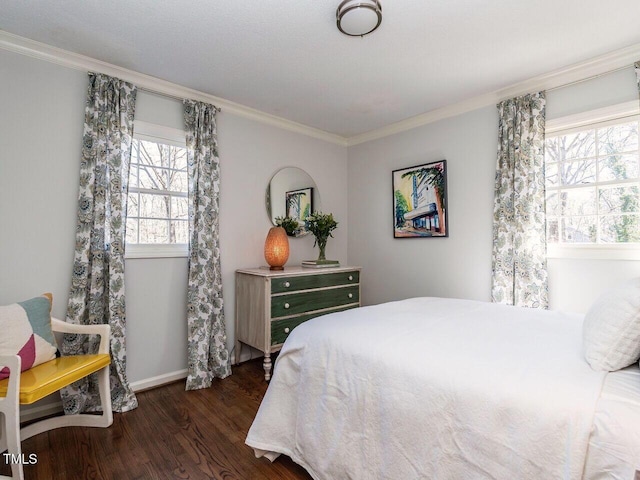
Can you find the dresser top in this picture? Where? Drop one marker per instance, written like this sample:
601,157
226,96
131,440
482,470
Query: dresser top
291,271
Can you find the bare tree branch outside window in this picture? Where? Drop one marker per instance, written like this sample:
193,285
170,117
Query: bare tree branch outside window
593,185
157,209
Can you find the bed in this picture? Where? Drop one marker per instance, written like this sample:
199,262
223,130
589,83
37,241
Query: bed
439,388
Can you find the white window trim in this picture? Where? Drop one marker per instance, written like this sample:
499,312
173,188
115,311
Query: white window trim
154,133
577,122
620,251
584,119
153,250
171,136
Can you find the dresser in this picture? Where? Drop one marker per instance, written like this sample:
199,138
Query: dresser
270,304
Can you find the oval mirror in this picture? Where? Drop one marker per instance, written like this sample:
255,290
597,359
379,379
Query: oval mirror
292,193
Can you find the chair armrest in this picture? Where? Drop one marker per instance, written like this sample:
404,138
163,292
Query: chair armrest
13,362
103,330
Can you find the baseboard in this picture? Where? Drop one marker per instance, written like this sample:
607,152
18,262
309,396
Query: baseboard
29,413
153,382
34,412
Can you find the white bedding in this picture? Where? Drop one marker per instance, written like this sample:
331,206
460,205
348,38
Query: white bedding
614,447
432,388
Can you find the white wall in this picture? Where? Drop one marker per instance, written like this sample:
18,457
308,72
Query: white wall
609,89
460,266
457,266
40,138
40,134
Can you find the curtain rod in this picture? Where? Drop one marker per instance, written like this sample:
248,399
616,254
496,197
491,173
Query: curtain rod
160,94
592,77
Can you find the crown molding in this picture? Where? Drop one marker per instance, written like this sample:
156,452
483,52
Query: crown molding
562,77
42,51
566,76
424,119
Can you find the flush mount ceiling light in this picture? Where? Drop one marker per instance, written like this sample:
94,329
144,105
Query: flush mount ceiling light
358,18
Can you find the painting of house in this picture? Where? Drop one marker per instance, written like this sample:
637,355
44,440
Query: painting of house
419,201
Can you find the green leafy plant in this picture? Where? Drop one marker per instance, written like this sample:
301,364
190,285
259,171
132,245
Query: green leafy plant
289,224
321,225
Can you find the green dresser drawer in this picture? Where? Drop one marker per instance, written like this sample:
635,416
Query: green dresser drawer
284,305
280,329
307,282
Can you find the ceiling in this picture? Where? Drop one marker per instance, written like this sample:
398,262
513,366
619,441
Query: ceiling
287,58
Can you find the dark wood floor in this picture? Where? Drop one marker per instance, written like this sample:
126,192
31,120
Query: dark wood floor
172,434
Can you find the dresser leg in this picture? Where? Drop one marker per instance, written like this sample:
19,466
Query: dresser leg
267,366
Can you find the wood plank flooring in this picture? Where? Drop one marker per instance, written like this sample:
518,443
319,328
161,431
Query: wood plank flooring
172,434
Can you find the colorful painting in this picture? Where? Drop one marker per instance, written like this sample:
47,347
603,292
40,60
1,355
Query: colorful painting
420,201
300,205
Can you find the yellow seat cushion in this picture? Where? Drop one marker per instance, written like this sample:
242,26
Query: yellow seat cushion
51,376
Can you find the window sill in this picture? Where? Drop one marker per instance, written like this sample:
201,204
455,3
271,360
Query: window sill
156,251
595,252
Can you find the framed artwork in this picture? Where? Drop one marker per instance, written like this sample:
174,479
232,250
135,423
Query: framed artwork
299,204
420,201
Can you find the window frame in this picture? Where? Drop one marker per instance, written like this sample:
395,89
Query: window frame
575,123
170,136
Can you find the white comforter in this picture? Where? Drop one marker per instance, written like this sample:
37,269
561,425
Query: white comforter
432,388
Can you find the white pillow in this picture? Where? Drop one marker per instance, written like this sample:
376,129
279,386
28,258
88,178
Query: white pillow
611,329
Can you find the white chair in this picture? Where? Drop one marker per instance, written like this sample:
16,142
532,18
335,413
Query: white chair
47,378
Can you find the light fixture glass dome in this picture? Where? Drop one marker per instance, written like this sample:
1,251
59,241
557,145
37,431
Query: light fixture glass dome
358,18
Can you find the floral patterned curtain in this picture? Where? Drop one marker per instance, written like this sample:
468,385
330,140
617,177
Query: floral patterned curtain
207,351
97,285
519,221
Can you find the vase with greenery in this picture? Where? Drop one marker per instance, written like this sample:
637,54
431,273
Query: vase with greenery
290,225
321,225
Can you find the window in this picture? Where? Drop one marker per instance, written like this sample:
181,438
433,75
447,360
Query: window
157,206
593,183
